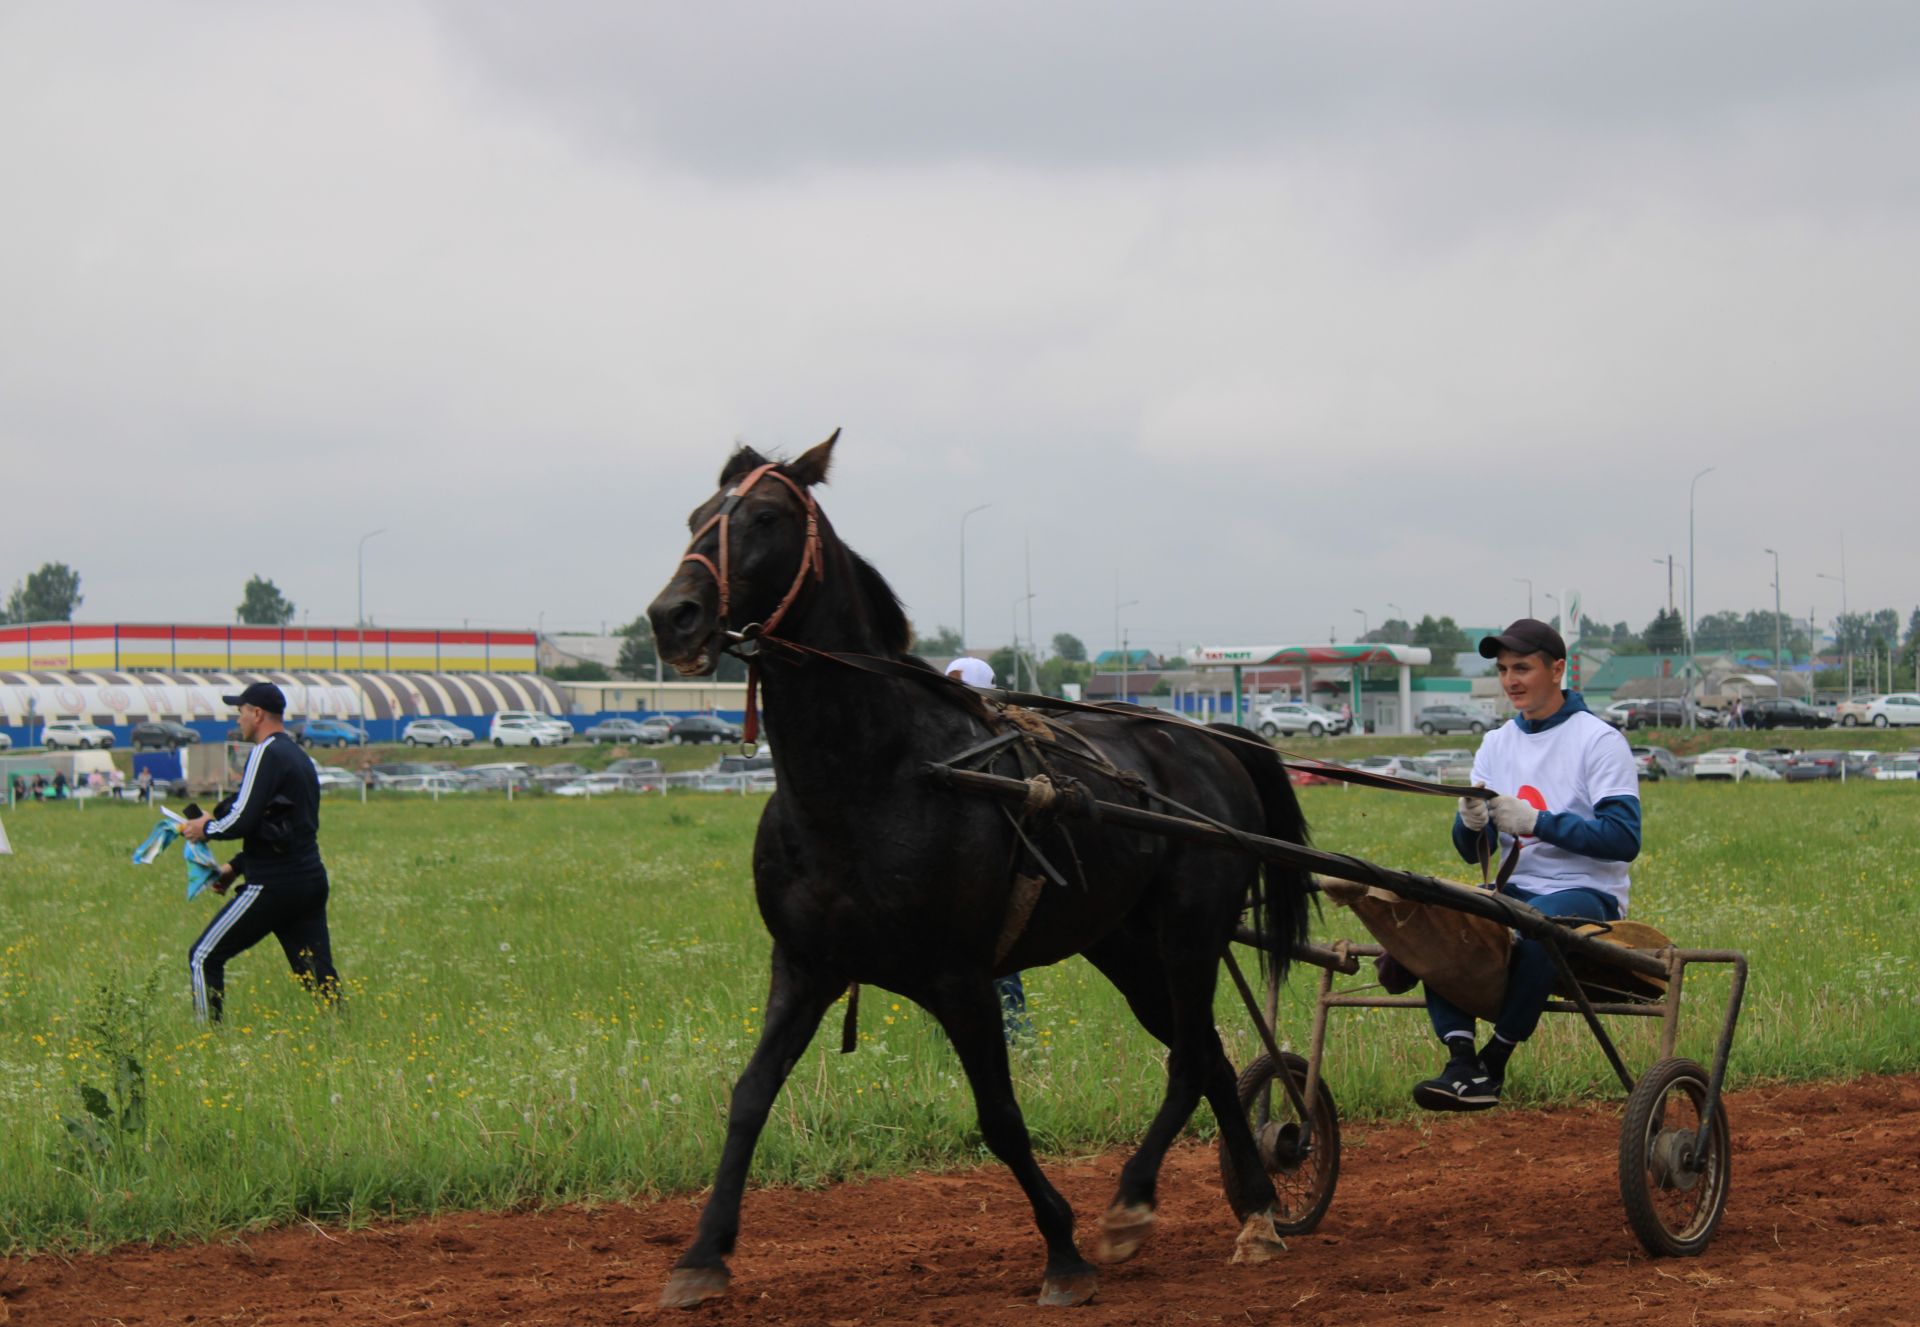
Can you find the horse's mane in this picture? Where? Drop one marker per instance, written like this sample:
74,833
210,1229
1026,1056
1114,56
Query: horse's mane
882,604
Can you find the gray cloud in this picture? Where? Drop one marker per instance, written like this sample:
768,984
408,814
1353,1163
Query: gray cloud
1269,314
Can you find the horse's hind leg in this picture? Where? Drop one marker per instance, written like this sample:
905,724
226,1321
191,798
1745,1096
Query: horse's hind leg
796,1001
1174,1002
971,1015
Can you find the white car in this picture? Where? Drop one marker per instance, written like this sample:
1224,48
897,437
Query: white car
435,732
528,728
75,734
599,785
1732,764
1897,710
1898,768
6,743
1295,717
333,778
423,783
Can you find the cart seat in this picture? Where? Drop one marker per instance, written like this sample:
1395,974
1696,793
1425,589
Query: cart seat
1607,984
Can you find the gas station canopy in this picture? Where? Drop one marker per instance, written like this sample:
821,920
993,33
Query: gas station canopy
1241,657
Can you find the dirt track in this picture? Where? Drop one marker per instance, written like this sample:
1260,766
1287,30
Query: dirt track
1510,1217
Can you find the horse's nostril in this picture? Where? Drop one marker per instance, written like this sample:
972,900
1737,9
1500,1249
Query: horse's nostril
685,616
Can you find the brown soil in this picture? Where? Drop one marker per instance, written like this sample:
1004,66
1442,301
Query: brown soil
1510,1217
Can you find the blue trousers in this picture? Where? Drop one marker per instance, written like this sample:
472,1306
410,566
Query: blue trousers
1530,970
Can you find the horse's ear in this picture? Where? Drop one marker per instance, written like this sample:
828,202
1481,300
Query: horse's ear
741,462
811,468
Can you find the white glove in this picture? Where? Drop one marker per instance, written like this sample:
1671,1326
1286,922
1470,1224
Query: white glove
1513,816
1473,813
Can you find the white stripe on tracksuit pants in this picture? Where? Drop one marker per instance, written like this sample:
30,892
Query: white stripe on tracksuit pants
295,912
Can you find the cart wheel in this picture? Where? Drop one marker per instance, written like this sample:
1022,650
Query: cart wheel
1303,1178
1674,1199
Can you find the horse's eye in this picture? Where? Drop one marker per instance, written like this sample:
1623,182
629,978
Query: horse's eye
767,517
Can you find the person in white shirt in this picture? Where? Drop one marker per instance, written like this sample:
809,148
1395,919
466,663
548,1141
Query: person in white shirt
1013,991
974,672
1569,802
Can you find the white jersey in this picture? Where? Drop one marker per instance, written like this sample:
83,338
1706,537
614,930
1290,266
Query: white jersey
1573,766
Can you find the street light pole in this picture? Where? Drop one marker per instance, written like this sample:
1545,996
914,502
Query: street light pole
1529,582
1120,641
1365,630
1556,610
963,572
1692,608
360,578
1779,688
1845,626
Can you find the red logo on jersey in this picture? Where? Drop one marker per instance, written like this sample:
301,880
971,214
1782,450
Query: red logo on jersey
1533,797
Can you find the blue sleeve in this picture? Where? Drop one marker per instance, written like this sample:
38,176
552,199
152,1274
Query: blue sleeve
1613,835
1463,840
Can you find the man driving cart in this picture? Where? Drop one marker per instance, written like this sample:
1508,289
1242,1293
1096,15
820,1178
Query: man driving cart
1568,801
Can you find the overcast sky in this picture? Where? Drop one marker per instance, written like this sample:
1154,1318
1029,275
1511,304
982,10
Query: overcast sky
1246,316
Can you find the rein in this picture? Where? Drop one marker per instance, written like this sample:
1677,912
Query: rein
754,636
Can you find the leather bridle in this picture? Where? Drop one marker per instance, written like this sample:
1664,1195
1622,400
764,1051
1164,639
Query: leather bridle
740,642
810,559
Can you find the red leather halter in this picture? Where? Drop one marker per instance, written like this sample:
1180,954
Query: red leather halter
810,561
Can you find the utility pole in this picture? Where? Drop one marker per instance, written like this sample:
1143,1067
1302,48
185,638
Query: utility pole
963,573
1692,608
1779,687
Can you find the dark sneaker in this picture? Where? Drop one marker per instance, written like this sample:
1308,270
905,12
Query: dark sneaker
1464,1084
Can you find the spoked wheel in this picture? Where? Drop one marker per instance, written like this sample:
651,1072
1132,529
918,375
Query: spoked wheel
1674,1197
1303,1165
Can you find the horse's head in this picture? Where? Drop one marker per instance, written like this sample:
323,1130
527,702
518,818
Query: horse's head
757,544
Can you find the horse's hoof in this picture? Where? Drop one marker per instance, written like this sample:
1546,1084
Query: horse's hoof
1069,1289
689,1286
1258,1241
1124,1227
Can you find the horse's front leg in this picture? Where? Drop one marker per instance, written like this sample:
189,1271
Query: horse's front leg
796,1001
973,1019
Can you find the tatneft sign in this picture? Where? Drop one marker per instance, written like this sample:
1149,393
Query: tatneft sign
154,700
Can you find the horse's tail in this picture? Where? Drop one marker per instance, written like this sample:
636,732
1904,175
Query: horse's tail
1281,893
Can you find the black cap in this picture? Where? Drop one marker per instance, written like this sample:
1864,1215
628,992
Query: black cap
261,695
1527,636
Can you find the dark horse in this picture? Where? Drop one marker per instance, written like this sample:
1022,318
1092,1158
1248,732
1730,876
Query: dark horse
864,872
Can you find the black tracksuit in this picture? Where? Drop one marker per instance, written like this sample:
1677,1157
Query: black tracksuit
276,816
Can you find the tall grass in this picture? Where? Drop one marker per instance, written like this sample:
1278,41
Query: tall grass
549,1001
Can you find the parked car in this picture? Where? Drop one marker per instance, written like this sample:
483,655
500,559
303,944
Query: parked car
75,734
1453,719
739,774
1809,765
330,732
425,783
1901,709
385,773
1732,764
1896,767
528,728
1848,713
1782,713
635,765
334,779
1665,712
1297,717
6,743
552,776
618,730
599,785
1454,763
656,729
1656,763
506,731
704,728
498,777
161,735
435,732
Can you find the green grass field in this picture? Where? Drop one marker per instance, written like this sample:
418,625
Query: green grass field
548,1001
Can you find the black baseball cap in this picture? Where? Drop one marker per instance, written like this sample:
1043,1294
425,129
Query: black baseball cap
1527,636
261,695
